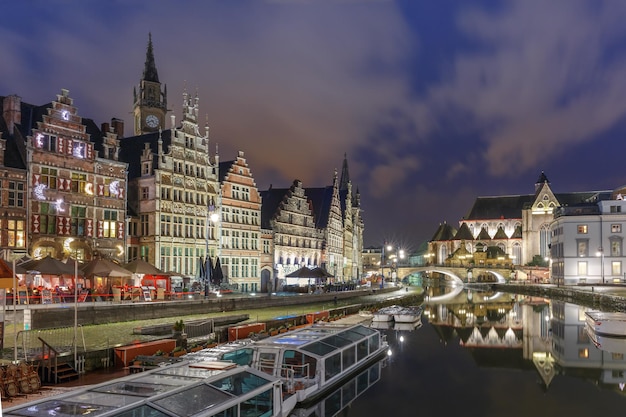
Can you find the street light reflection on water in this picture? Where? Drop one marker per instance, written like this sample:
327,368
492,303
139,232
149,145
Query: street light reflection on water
506,355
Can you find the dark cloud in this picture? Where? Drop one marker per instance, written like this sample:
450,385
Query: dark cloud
452,106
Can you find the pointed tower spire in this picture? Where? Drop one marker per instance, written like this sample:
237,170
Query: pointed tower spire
345,174
150,72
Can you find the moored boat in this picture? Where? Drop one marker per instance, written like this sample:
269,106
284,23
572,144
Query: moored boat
386,313
607,323
607,343
203,389
310,361
408,314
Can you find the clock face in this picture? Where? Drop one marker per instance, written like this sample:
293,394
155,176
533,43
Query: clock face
152,120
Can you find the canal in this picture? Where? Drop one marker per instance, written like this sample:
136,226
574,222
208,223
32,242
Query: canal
488,354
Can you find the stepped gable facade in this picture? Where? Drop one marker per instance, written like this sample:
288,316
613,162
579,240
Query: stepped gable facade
240,227
74,199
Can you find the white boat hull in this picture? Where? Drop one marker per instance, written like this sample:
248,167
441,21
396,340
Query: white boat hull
605,323
607,343
382,317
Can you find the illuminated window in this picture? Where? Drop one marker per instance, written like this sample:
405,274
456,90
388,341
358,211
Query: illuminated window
16,194
583,248
78,182
109,225
616,268
583,353
46,142
48,218
582,268
582,229
49,178
78,220
616,247
15,229
616,228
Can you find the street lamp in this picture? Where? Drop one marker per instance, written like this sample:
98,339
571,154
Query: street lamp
382,263
601,255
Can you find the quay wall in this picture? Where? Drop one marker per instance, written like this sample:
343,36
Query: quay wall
589,296
91,313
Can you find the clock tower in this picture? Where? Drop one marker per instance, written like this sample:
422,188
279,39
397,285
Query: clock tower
150,103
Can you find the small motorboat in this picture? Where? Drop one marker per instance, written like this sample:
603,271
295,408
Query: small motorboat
408,314
607,323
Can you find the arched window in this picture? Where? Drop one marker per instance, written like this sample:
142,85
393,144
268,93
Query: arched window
517,253
544,241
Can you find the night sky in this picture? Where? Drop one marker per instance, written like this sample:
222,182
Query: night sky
434,102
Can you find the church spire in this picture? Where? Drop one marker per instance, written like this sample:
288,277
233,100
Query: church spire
345,174
150,72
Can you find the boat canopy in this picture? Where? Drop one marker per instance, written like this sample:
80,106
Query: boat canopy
215,389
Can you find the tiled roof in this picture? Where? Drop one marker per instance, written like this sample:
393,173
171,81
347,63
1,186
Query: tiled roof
483,235
500,234
132,148
444,232
464,233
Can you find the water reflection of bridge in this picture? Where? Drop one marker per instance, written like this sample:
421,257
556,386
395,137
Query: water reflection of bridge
458,275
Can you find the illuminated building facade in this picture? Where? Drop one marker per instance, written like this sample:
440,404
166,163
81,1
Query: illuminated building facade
517,225
75,196
240,226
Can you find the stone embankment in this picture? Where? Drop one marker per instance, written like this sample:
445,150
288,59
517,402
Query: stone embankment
601,297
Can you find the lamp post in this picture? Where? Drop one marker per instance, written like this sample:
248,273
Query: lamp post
601,255
382,262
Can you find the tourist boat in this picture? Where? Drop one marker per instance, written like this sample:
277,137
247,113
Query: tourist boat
607,343
386,313
605,323
342,397
310,361
200,389
408,314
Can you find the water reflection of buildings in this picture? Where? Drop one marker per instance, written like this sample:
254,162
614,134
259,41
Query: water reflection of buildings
575,353
522,332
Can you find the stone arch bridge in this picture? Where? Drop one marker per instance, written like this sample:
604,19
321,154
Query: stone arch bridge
458,275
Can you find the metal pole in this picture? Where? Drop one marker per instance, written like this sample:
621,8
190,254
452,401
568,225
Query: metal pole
75,312
14,315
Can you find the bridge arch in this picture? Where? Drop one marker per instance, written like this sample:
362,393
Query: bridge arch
457,275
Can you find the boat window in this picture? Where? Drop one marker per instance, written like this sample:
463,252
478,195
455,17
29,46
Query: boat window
301,364
231,412
145,411
361,350
337,341
333,366
348,357
193,400
374,343
240,356
258,406
267,362
352,335
239,383
319,348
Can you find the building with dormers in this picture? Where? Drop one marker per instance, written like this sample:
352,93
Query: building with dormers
75,196
173,190
518,225
317,226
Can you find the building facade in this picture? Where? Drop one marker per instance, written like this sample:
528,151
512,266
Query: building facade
516,227
587,242
240,226
75,195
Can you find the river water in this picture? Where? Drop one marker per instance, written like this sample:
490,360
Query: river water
488,354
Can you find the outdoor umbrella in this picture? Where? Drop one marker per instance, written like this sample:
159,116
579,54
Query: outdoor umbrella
218,276
50,266
139,266
105,268
207,274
